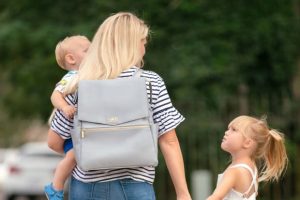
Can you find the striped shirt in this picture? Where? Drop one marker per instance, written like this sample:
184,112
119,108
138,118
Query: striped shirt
164,114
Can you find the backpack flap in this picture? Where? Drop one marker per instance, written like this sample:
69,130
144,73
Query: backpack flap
112,102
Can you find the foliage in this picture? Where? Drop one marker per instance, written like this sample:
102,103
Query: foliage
218,59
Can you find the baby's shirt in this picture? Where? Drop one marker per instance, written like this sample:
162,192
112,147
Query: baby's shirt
61,85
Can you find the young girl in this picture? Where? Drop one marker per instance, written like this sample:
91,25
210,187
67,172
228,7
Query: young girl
249,141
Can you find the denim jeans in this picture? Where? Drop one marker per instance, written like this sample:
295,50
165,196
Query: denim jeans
125,189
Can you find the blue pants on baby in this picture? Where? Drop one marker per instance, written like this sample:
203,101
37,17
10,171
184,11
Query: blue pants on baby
68,144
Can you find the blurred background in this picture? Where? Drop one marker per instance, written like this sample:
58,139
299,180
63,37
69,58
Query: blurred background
219,59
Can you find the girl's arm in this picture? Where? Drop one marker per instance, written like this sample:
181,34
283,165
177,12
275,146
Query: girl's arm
55,142
171,151
227,183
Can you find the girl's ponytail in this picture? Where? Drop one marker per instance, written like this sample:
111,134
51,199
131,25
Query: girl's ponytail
275,157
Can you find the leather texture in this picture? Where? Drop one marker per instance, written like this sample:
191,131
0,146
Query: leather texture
114,127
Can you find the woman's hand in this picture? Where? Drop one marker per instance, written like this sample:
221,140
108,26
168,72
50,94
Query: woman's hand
186,197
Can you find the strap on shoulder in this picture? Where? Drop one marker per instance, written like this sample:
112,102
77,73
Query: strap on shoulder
253,174
244,166
138,73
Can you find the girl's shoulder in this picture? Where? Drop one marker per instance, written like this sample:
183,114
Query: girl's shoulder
235,174
242,167
232,173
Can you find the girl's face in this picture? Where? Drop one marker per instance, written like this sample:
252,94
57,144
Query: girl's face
233,139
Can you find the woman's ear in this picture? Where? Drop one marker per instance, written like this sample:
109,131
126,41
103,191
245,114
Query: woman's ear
70,59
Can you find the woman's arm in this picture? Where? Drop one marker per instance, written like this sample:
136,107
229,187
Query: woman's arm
55,142
226,184
171,151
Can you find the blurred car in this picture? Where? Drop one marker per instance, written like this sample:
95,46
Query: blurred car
5,156
31,168
2,166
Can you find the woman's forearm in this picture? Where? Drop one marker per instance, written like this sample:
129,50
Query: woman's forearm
171,151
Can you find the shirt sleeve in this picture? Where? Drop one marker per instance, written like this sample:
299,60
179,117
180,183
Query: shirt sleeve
61,85
164,113
60,124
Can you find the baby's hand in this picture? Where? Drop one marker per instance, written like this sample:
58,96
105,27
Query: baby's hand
69,111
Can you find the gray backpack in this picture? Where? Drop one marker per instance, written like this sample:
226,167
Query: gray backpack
114,127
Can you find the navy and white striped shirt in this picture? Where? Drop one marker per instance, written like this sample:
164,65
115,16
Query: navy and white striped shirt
164,114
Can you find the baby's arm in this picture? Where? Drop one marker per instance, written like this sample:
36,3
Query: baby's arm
60,103
227,183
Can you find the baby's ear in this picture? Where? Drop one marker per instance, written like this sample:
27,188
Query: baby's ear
70,59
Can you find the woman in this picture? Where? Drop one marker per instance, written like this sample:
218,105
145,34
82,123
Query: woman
117,50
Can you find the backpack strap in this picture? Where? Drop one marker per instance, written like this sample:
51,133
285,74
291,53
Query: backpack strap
253,174
138,73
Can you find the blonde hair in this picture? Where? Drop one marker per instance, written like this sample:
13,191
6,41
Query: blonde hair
115,47
270,149
63,48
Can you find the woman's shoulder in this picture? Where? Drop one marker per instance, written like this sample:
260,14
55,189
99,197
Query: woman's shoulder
153,76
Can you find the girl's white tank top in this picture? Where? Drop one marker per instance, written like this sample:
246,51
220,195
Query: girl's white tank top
235,195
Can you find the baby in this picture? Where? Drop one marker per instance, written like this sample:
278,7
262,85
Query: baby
69,54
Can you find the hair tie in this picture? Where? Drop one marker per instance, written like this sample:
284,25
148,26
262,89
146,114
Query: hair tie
275,134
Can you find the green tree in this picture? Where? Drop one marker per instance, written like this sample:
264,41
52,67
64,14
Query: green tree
218,58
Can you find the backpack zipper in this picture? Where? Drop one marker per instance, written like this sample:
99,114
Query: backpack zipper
84,131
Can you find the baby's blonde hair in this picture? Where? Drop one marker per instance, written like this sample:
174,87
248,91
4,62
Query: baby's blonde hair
270,149
63,47
115,47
